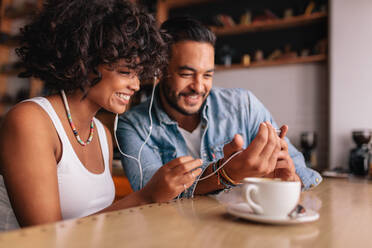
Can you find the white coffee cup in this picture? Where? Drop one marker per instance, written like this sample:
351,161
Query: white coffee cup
271,197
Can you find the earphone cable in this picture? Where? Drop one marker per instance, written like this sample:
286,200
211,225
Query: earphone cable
138,159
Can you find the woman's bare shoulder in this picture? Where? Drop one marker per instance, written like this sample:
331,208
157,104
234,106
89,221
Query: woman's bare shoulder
26,107
26,116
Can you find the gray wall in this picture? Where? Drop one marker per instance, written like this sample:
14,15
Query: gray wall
296,95
350,74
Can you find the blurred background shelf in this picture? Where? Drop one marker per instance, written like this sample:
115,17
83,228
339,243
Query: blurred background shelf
10,69
264,33
295,21
182,3
10,73
13,15
307,59
8,41
24,10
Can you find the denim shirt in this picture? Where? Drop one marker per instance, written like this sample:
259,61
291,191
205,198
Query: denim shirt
226,112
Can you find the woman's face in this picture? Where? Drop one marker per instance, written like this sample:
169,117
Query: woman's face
115,89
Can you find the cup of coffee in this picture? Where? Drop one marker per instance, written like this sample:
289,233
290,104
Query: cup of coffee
271,197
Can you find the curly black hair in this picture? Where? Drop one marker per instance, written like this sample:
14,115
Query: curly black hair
69,39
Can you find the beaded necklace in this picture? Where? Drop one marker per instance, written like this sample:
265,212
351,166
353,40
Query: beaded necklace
72,124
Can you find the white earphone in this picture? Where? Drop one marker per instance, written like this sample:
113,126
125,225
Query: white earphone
138,159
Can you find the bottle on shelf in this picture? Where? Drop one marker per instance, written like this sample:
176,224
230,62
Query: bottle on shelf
246,18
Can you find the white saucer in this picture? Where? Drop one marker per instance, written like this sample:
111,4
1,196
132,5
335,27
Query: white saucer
242,210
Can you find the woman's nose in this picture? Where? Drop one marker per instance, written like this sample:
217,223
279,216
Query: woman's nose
135,84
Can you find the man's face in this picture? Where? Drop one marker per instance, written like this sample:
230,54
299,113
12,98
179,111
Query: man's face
189,79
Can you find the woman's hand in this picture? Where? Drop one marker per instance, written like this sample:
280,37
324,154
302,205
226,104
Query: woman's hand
172,179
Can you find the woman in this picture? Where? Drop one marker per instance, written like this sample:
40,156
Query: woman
91,54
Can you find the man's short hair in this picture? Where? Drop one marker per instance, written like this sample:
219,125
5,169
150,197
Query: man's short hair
186,29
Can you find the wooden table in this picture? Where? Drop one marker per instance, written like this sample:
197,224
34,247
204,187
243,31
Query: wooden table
345,221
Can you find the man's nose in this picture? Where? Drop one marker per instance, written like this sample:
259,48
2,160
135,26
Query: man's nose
198,83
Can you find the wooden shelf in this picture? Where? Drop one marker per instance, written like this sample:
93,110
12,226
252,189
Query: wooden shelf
25,12
7,17
163,7
12,72
11,43
271,24
182,3
308,59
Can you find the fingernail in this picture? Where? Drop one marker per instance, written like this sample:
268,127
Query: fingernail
263,124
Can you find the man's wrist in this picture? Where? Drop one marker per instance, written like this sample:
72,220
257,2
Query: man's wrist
210,184
232,173
217,169
229,179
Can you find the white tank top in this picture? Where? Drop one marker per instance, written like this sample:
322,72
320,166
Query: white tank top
81,192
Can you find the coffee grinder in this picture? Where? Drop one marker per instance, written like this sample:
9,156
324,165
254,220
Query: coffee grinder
360,156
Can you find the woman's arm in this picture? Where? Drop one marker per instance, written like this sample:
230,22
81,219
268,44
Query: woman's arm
165,184
28,164
135,198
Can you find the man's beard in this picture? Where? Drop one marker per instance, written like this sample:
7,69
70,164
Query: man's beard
172,101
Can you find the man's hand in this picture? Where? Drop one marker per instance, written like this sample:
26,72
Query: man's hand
172,179
258,159
285,168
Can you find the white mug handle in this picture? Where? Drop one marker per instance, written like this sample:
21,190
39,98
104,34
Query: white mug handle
248,190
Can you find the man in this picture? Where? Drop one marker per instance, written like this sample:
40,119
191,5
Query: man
192,118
